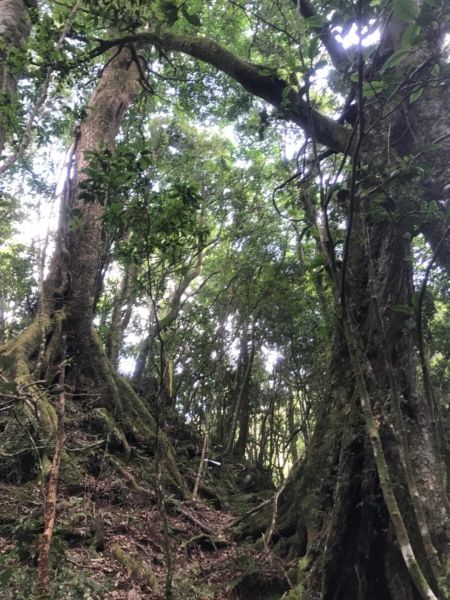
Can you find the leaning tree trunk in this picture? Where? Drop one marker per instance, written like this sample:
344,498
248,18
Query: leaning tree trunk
368,508
67,306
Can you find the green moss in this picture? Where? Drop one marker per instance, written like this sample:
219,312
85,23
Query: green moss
296,593
138,568
103,422
69,470
19,350
19,583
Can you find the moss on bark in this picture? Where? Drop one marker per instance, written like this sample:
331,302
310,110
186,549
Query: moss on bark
118,410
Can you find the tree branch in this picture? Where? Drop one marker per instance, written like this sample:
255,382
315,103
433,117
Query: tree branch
336,51
259,80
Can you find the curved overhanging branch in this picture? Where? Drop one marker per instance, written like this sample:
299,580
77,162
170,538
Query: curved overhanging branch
259,80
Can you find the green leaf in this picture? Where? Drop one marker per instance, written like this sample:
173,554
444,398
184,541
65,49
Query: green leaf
406,10
436,70
410,36
415,95
406,309
316,262
379,199
314,231
170,10
315,21
395,58
372,88
286,91
313,48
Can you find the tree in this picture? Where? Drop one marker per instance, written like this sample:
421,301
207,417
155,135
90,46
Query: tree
367,508
15,25
373,291
66,308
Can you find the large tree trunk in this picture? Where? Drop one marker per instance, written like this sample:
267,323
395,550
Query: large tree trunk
338,510
67,306
15,28
368,508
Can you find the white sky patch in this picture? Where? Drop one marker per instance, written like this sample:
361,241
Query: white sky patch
352,39
127,365
293,140
271,357
446,46
41,211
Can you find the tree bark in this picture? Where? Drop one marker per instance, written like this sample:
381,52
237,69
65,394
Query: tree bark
240,397
15,28
2,317
67,306
244,403
79,254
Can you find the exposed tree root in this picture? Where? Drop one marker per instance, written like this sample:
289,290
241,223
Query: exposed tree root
205,541
33,365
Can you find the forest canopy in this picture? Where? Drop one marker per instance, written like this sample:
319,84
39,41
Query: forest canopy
224,260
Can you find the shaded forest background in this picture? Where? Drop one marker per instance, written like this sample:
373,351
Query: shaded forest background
224,299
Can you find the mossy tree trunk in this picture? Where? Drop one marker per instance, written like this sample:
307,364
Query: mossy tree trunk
368,508
370,492
67,306
340,506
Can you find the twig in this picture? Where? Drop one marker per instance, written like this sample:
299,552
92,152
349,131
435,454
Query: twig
195,521
250,512
50,506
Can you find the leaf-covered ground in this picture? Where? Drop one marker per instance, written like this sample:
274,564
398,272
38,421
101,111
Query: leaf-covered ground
131,562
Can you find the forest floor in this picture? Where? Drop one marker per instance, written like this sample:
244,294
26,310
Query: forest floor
109,543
